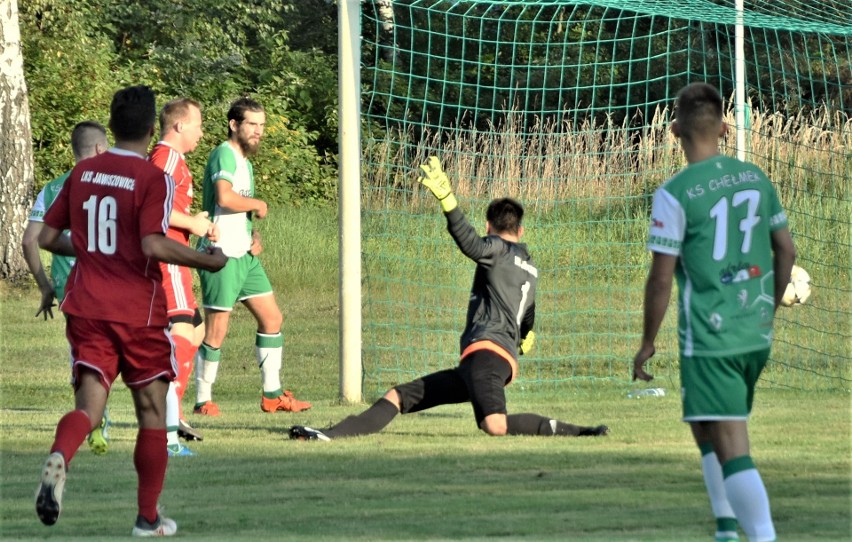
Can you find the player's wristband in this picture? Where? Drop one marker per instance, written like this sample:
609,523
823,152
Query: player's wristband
449,203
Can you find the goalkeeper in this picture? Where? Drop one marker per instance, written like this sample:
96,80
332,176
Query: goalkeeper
499,325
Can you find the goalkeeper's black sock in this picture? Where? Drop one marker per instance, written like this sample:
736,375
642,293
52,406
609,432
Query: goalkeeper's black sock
533,424
372,420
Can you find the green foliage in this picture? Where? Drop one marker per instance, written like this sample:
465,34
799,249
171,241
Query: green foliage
289,168
71,72
77,56
466,64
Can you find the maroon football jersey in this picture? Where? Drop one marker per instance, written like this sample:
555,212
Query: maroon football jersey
110,203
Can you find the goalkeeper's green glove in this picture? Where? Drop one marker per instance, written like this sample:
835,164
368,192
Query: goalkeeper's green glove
527,343
434,178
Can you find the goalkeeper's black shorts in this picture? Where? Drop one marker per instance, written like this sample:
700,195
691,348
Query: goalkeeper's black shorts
479,379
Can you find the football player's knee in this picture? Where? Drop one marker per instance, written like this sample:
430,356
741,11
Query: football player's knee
393,396
495,428
216,330
272,322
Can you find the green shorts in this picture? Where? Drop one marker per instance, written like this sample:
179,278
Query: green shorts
240,279
714,389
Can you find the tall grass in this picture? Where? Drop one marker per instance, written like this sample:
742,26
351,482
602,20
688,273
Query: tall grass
549,164
587,188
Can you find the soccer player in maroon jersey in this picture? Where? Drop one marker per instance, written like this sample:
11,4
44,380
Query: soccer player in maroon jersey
117,207
180,132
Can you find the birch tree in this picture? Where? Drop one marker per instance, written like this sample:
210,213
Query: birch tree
16,152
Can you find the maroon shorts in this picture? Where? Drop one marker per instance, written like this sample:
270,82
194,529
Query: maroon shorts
140,354
177,282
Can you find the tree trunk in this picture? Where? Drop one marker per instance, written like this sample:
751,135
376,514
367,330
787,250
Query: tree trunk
386,35
16,150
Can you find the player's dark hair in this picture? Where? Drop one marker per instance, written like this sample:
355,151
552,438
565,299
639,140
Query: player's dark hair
505,215
176,110
238,110
132,113
698,110
85,136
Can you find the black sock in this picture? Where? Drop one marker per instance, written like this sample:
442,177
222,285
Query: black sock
597,431
372,420
533,424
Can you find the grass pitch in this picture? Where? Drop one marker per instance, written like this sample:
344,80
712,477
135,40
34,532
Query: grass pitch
429,476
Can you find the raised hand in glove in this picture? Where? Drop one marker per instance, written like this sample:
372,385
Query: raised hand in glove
432,176
527,343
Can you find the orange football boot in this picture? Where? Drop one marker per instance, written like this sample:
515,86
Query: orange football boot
207,408
285,402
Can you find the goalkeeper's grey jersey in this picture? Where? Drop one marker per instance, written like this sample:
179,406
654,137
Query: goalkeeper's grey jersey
502,298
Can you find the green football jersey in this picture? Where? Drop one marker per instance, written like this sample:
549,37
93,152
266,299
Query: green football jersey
717,217
60,266
234,227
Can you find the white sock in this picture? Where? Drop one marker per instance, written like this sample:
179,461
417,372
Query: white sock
715,485
172,415
749,500
206,369
269,348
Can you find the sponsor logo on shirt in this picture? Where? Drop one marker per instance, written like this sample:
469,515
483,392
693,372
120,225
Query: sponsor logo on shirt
739,272
716,321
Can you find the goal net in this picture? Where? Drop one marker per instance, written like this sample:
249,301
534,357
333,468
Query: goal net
566,106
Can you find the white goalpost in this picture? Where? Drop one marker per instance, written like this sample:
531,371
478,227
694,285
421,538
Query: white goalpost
349,217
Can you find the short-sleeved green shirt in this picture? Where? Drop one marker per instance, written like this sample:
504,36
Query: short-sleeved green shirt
234,227
717,217
60,266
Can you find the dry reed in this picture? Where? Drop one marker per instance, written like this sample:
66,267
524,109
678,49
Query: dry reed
547,164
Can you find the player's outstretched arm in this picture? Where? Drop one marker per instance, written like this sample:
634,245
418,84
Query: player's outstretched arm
159,247
432,176
473,246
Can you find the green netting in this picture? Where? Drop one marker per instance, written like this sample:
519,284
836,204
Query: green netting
565,105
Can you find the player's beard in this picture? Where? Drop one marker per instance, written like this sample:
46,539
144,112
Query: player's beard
248,147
